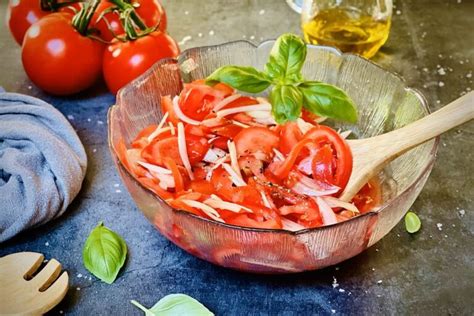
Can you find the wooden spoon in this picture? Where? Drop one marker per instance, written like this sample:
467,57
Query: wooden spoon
370,155
21,294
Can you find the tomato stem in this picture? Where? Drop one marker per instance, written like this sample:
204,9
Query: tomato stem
83,18
130,11
54,5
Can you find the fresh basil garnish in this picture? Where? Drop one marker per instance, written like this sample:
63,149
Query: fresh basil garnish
286,59
104,253
286,103
327,100
412,222
175,305
247,79
291,91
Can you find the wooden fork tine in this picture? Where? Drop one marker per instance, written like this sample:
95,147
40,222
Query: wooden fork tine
58,289
47,275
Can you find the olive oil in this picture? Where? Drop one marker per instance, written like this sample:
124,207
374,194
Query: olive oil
347,29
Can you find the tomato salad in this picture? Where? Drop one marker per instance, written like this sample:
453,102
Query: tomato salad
221,155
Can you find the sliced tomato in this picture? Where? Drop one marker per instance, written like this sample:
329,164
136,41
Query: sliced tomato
309,117
242,101
142,138
220,142
197,148
256,140
251,166
368,197
343,156
167,107
197,100
158,149
244,220
202,186
178,179
290,135
322,165
154,186
229,130
222,183
306,211
282,170
226,90
197,130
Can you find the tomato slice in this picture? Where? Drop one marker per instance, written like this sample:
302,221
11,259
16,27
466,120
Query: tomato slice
167,107
178,179
290,135
322,165
226,90
197,99
229,130
158,149
256,140
202,186
343,155
242,101
244,220
197,148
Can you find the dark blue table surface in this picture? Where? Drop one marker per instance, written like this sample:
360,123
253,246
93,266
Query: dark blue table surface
431,272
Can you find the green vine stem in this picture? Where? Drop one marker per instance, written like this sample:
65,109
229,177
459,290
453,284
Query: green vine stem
82,19
54,5
129,10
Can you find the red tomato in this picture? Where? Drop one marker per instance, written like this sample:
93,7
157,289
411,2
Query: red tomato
256,140
21,14
202,186
322,165
151,13
197,100
125,61
142,138
290,135
159,149
228,131
167,107
343,155
58,59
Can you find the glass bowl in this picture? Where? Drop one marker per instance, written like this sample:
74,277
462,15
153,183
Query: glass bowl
384,103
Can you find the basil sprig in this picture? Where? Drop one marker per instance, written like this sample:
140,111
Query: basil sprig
104,253
290,91
175,305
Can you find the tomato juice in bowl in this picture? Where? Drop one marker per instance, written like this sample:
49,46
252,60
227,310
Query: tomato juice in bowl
385,104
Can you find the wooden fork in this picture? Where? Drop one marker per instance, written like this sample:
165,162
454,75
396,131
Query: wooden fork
20,293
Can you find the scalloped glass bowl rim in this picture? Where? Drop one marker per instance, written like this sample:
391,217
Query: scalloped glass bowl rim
380,208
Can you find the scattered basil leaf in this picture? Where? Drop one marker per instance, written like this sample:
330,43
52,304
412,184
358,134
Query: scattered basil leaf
286,59
286,103
246,79
412,222
327,100
175,305
104,253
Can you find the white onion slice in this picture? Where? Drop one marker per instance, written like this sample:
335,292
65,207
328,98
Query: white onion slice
246,108
183,152
278,154
209,211
158,129
345,134
334,202
223,205
233,176
220,162
310,187
226,101
181,115
290,225
262,117
326,212
240,124
234,162
304,126
154,168
213,154
172,129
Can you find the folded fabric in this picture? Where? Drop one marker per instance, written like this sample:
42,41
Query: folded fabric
42,163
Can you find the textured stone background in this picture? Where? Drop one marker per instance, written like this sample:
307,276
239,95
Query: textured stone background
430,273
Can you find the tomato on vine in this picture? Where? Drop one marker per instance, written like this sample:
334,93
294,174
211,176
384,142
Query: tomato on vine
132,54
107,20
59,56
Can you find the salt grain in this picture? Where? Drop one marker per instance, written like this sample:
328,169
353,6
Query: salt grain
342,290
186,12
78,288
211,32
252,37
199,34
440,226
116,185
441,84
94,150
261,12
469,75
70,117
445,236
100,122
79,275
379,282
46,244
334,282
88,120
425,69
333,311
398,12
118,191
441,71
185,39
462,212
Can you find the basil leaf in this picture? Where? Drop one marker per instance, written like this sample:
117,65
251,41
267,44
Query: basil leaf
104,253
175,305
412,222
286,59
246,79
327,100
286,103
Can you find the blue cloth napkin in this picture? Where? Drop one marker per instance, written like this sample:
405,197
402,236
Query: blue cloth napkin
42,163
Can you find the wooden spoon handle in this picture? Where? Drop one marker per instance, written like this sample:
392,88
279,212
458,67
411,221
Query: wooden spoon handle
455,113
